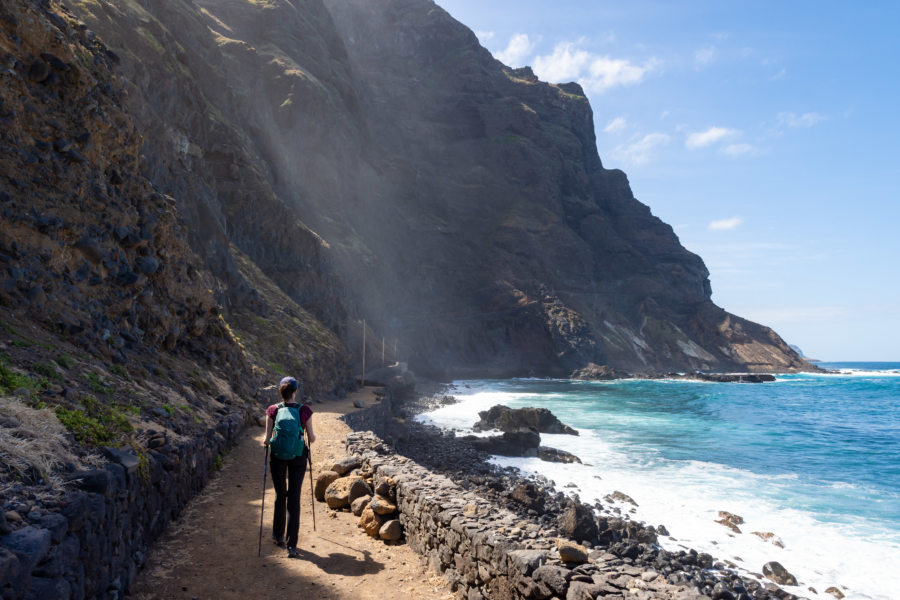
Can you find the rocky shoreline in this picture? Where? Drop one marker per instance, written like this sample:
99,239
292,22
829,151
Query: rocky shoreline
538,516
594,372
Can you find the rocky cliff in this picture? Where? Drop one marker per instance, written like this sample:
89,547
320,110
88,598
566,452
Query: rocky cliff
372,160
463,204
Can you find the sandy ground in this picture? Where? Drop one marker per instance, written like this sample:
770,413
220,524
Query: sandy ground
211,551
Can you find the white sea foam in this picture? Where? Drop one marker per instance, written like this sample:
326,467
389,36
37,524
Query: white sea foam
685,496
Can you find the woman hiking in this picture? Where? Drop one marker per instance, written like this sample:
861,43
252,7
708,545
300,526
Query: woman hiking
285,424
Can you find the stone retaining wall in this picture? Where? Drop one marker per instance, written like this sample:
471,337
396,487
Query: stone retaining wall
489,553
92,543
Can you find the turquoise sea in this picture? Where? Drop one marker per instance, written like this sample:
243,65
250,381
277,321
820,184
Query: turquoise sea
813,459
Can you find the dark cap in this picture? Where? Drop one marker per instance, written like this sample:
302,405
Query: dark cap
293,384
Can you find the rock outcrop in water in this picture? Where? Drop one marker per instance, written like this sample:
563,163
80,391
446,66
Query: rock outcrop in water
461,203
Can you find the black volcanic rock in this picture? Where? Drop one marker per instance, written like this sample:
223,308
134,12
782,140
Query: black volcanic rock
461,204
505,418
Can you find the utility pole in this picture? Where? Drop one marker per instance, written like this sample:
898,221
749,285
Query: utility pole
362,380
382,351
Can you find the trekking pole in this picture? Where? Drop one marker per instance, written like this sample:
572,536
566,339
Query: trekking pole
263,507
312,494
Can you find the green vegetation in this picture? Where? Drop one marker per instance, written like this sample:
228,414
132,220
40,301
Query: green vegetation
217,463
98,384
96,423
169,409
86,430
10,380
277,368
120,371
65,361
24,341
45,370
143,461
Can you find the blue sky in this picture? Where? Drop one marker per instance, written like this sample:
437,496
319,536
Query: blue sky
766,133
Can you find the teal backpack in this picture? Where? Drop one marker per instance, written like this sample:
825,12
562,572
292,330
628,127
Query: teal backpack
287,436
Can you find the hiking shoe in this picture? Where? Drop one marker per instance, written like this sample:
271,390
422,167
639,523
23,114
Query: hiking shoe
293,552
278,541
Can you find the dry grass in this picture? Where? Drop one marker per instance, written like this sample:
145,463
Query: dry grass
34,446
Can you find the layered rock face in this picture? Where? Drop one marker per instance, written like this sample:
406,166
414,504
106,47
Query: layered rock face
532,257
462,204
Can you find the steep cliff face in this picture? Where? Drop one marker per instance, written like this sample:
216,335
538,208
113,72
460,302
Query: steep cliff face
96,257
532,257
462,204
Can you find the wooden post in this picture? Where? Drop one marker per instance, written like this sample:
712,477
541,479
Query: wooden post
362,380
382,351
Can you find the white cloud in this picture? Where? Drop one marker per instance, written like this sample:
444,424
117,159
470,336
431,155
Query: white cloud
701,139
617,125
780,74
805,120
595,73
484,36
704,57
735,150
725,224
517,50
641,150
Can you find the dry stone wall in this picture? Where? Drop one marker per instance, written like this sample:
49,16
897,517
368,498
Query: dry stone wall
489,553
92,542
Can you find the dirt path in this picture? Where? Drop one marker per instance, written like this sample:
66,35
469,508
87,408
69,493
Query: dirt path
210,553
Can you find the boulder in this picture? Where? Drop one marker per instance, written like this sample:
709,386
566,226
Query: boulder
618,496
514,419
337,495
523,442
323,480
371,522
730,521
777,573
595,372
835,592
553,576
382,505
391,531
346,464
358,489
358,505
570,552
577,522
30,544
529,495
386,487
556,455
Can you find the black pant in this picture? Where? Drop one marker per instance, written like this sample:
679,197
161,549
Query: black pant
287,495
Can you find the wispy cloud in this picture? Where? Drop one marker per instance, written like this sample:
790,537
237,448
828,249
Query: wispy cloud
641,150
484,36
617,125
517,50
735,150
704,57
725,224
594,72
780,74
790,119
713,135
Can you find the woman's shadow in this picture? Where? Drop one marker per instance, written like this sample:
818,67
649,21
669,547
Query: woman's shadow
338,563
